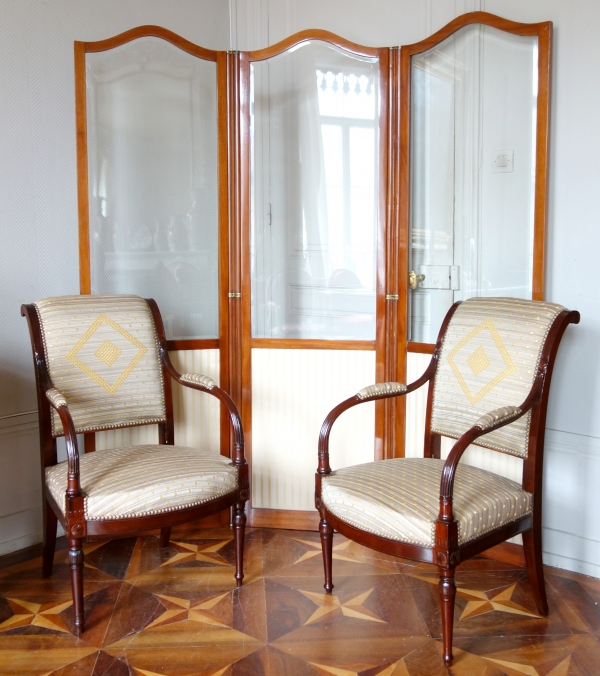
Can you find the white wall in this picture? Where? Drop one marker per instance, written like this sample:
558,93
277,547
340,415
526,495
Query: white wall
572,536
38,206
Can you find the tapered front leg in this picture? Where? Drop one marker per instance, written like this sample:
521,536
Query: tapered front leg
76,565
326,531
447,595
239,530
50,522
165,536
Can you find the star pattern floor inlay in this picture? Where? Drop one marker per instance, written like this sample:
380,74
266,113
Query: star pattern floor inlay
177,612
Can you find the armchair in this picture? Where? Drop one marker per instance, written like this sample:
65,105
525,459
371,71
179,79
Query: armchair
101,362
489,379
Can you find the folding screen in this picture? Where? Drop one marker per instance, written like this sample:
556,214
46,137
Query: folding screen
305,214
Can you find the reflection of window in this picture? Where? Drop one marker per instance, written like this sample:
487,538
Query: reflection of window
347,105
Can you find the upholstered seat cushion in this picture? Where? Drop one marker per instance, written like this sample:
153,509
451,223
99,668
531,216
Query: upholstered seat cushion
399,499
135,481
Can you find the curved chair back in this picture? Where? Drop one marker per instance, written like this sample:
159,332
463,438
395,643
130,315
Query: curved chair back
102,355
489,359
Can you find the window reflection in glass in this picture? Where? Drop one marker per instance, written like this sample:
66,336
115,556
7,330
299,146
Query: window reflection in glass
473,137
314,184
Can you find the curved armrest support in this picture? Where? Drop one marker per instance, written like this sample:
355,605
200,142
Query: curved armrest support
59,403
206,384
201,383
487,423
370,393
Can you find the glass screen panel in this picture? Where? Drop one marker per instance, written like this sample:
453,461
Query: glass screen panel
152,148
473,122
315,178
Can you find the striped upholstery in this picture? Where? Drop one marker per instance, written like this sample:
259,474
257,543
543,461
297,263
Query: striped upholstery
489,359
102,354
379,389
136,481
399,499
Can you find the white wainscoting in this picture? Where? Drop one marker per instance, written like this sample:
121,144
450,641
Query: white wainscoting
20,485
292,392
572,502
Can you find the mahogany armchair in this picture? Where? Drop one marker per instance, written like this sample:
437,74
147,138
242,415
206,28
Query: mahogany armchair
489,379
101,362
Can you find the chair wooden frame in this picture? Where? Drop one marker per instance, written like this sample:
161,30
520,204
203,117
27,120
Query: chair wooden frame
77,528
446,552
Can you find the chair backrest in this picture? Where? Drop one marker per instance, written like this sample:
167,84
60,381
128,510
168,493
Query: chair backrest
489,359
102,355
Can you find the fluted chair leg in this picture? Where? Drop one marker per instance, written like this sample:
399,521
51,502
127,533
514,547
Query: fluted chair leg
326,532
76,565
50,523
532,547
447,589
239,530
165,536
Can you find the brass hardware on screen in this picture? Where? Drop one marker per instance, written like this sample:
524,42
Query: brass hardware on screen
235,294
392,296
414,279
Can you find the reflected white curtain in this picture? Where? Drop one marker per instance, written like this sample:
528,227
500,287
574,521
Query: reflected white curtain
311,214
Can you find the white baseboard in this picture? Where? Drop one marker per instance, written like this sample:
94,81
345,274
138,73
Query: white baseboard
575,566
571,552
571,537
20,530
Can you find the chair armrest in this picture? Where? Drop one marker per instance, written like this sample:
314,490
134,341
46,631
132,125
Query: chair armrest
489,422
498,418
195,379
201,383
55,398
59,403
380,391
369,393
206,384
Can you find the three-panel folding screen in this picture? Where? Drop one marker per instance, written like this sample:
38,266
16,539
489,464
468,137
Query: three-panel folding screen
305,215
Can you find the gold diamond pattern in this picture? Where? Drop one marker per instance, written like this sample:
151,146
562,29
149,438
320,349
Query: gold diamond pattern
478,361
474,397
96,377
108,353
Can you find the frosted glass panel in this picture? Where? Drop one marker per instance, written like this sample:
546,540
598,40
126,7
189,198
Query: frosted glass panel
152,145
473,121
315,182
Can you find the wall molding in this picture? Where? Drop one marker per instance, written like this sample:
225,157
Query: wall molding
572,443
19,423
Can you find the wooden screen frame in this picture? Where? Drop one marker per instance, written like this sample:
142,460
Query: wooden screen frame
278,518
223,131
233,118
543,31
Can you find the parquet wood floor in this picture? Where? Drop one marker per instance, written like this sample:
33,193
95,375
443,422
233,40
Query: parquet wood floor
176,612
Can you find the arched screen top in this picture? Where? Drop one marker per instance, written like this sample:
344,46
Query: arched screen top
149,31
476,115
294,42
315,165
152,160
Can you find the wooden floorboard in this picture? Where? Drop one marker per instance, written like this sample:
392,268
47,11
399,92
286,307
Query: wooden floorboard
176,612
